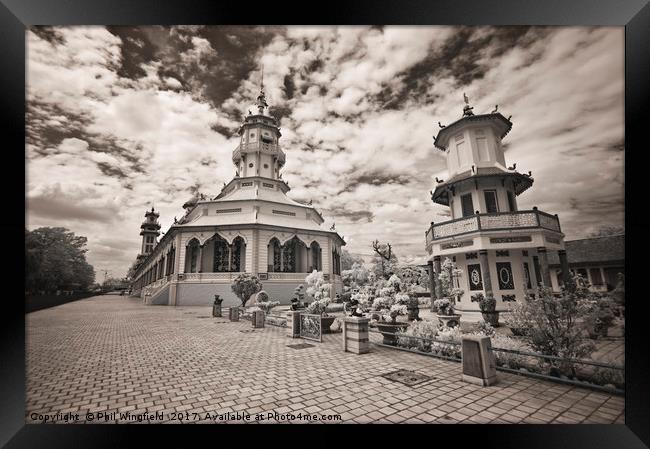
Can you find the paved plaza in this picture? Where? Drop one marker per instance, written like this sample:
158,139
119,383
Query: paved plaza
113,355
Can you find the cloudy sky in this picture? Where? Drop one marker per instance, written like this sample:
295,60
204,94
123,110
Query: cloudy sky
123,117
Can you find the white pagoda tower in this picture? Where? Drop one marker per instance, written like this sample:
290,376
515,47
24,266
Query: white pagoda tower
501,250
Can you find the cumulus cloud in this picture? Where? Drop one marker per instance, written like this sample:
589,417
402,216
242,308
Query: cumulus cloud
121,118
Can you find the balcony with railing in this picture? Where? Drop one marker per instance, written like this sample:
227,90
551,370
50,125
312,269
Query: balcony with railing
525,219
270,148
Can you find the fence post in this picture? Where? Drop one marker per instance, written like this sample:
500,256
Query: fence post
478,361
293,323
355,335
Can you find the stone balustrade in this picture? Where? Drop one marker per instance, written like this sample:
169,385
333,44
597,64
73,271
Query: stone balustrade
496,221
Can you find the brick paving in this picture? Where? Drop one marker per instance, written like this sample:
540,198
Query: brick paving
113,355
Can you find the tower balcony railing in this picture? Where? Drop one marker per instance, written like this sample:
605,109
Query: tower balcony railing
272,148
524,219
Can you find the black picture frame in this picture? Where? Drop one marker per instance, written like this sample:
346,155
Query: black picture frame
634,15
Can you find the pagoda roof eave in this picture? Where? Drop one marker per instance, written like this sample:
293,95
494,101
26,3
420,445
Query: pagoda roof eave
443,133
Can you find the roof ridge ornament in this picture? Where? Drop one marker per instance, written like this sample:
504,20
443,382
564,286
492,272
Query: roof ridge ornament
467,110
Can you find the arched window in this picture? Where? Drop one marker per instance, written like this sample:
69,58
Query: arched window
289,256
275,255
192,257
316,257
238,251
221,255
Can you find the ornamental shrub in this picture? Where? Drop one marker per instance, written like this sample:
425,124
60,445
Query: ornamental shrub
244,286
558,325
426,330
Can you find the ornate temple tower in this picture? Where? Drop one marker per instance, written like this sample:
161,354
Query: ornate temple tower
258,153
488,236
250,226
150,231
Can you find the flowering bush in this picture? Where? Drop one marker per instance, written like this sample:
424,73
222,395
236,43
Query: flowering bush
444,306
318,289
558,325
426,330
245,285
356,277
508,359
448,334
485,328
263,302
391,301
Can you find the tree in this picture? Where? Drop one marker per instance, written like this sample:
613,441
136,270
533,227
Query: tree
384,262
355,277
55,259
348,260
245,285
607,231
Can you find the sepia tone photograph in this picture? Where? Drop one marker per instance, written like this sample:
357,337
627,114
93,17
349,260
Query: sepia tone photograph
236,224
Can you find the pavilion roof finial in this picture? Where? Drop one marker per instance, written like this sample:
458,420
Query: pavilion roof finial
467,110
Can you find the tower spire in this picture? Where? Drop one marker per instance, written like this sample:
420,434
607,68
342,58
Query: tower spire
261,99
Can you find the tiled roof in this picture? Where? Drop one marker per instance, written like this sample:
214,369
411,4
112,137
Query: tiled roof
599,249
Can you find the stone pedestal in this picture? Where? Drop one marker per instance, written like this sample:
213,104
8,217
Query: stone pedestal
293,324
478,361
234,314
257,318
355,335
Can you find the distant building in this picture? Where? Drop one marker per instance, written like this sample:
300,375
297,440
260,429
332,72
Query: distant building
252,226
502,250
599,260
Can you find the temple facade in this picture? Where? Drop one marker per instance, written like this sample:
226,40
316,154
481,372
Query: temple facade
501,250
251,226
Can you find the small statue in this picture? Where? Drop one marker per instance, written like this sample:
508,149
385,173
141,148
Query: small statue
333,228
514,166
310,202
467,110
249,112
441,125
496,108
439,180
175,221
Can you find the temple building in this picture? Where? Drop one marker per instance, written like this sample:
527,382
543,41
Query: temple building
251,226
501,250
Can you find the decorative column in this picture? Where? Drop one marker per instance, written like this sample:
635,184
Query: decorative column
543,262
564,264
230,257
485,269
438,287
432,283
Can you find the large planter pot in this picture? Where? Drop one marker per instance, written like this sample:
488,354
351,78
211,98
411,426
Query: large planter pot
326,322
449,320
491,317
389,329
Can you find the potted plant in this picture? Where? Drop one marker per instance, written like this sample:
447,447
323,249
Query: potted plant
390,304
318,289
445,306
216,306
244,286
488,308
